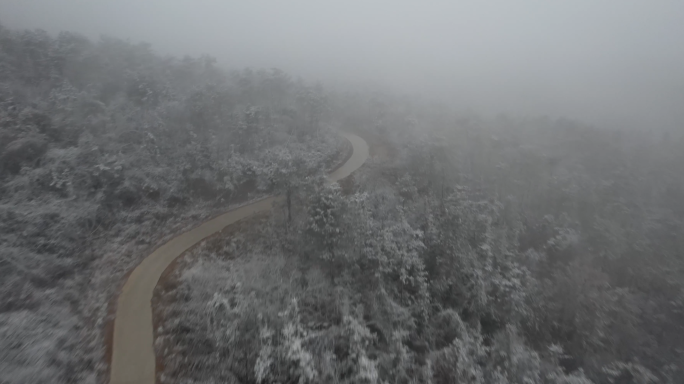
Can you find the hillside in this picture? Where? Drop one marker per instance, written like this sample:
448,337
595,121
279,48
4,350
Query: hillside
466,250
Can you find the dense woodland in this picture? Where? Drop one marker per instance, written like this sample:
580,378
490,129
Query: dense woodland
466,250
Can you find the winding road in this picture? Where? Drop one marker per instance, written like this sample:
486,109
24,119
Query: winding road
133,358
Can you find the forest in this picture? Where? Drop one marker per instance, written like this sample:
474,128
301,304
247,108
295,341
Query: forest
468,249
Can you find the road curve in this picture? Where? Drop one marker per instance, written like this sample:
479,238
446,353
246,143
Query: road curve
133,359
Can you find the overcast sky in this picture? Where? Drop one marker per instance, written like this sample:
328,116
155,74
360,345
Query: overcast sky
609,62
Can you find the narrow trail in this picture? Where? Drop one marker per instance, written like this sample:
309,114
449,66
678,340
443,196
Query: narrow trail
133,358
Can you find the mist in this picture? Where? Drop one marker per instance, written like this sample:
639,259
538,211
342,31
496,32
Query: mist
312,192
617,64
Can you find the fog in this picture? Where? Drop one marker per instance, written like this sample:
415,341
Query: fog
512,206
615,64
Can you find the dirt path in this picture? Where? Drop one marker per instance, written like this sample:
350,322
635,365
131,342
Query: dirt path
133,359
